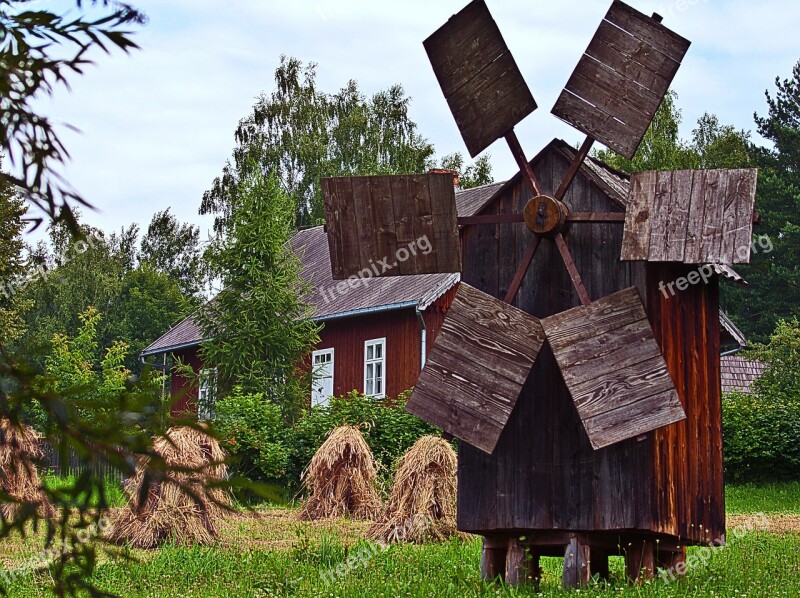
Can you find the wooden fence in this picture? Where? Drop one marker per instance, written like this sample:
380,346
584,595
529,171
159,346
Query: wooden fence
73,467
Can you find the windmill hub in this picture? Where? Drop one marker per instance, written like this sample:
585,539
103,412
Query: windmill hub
545,215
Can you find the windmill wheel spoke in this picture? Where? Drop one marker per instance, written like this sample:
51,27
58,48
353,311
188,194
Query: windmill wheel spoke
572,171
527,258
573,271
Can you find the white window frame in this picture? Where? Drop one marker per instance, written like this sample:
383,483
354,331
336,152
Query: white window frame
314,354
206,393
374,361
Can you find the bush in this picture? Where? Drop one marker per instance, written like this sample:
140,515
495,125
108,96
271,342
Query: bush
761,431
252,430
385,424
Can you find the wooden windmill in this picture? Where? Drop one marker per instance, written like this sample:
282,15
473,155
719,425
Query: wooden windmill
578,417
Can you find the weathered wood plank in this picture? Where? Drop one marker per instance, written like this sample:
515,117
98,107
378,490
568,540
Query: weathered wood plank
478,76
445,242
576,572
477,368
648,30
632,58
677,216
343,240
622,98
589,321
601,126
634,419
406,221
636,234
713,218
660,209
609,388
739,229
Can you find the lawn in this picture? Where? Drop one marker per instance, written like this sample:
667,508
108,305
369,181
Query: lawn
269,553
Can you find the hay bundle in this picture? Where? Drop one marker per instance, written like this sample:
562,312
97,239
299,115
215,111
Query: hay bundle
19,451
169,511
422,506
340,480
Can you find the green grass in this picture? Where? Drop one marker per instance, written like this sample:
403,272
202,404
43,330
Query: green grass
768,498
278,556
115,496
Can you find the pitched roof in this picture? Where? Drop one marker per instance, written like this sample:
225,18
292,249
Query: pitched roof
739,373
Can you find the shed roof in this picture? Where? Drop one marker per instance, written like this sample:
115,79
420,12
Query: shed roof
738,373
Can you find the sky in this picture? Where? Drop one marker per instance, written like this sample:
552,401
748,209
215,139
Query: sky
156,126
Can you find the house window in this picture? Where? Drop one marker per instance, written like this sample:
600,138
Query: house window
207,394
321,376
375,367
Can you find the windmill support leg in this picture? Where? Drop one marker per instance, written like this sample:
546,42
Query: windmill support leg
640,560
493,557
672,563
522,566
576,564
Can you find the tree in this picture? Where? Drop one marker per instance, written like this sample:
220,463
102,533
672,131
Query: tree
12,264
474,175
774,276
258,325
299,134
174,249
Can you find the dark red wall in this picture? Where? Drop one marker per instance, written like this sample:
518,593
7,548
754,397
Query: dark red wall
401,328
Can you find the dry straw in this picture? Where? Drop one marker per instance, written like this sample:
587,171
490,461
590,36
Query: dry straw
178,508
341,479
422,506
19,451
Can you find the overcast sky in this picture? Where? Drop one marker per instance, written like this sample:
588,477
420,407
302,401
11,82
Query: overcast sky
157,126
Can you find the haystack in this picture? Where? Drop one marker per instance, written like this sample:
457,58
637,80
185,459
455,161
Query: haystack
340,480
19,451
178,507
422,506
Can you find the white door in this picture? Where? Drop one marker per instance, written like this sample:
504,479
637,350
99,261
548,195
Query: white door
322,376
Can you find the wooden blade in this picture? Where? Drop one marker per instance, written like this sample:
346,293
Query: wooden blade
478,76
613,368
690,216
391,225
477,368
620,81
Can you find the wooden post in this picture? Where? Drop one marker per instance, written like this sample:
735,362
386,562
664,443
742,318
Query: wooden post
640,560
673,563
576,565
521,566
493,557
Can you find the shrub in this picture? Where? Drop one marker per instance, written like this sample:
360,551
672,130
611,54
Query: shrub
251,429
385,424
761,431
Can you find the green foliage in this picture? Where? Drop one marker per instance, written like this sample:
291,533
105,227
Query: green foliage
173,248
252,430
12,265
385,424
774,277
777,497
94,388
299,134
761,431
258,325
474,175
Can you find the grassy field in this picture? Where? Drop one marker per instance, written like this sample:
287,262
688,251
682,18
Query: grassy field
269,553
